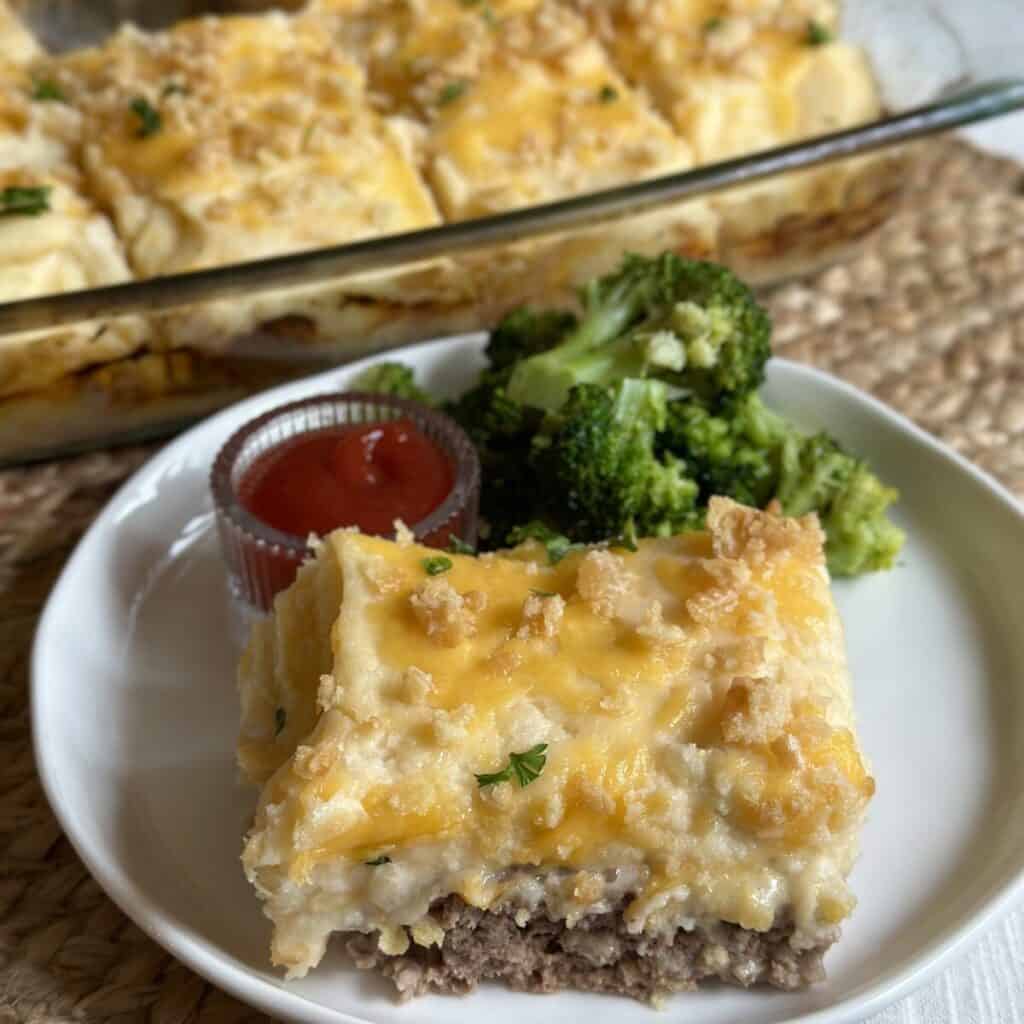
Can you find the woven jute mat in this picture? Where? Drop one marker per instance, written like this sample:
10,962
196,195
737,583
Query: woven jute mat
928,316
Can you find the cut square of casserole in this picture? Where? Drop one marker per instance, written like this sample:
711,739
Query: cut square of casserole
232,139
53,237
414,54
738,76
627,772
516,105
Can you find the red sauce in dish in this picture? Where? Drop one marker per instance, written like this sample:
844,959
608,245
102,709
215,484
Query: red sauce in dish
366,476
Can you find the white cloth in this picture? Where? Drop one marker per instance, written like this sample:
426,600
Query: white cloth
984,985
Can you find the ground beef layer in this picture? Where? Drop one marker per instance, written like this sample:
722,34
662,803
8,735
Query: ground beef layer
597,955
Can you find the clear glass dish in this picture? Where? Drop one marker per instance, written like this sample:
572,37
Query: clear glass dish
938,65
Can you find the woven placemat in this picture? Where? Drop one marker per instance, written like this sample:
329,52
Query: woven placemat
928,315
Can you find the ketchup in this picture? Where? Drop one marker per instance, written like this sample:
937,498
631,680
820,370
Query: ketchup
367,476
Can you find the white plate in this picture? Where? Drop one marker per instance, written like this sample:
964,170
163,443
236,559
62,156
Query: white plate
134,716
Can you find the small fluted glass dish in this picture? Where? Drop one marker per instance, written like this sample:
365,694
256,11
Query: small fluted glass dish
261,560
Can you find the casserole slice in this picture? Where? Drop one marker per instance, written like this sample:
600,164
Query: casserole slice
742,76
627,772
53,237
230,139
515,103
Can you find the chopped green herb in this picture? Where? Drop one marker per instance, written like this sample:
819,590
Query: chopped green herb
556,545
451,92
174,89
524,768
48,89
817,34
457,546
377,861
543,593
280,717
25,202
489,16
559,547
713,24
608,93
470,3
626,539
437,565
150,121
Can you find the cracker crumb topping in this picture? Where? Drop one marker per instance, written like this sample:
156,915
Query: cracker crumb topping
542,615
448,616
755,711
602,580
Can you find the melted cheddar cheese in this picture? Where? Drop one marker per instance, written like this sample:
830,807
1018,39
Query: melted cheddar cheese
738,76
231,139
68,246
17,44
515,104
693,700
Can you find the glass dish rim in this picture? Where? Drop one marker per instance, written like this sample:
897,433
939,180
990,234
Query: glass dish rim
314,267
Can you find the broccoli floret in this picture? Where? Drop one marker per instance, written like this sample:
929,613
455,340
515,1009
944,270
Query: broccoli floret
502,431
694,325
525,332
392,379
488,415
735,454
812,471
859,536
751,454
596,470
727,335
816,475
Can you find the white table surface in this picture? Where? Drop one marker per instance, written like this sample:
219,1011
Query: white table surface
984,985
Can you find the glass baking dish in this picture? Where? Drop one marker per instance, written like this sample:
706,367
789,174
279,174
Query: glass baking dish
937,65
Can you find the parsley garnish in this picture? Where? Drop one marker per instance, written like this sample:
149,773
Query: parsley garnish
280,717
489,16
556,545
48,89
25,202
524,768
457,546
150,121
437,565
451,92
559,547
713,24
543,593
626,539
817,34
377,861
608,93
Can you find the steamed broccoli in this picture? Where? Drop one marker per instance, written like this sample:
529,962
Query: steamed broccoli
392,379
502,431
526,332
753,455
597,471
735,453
859,536
626,421
694,325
